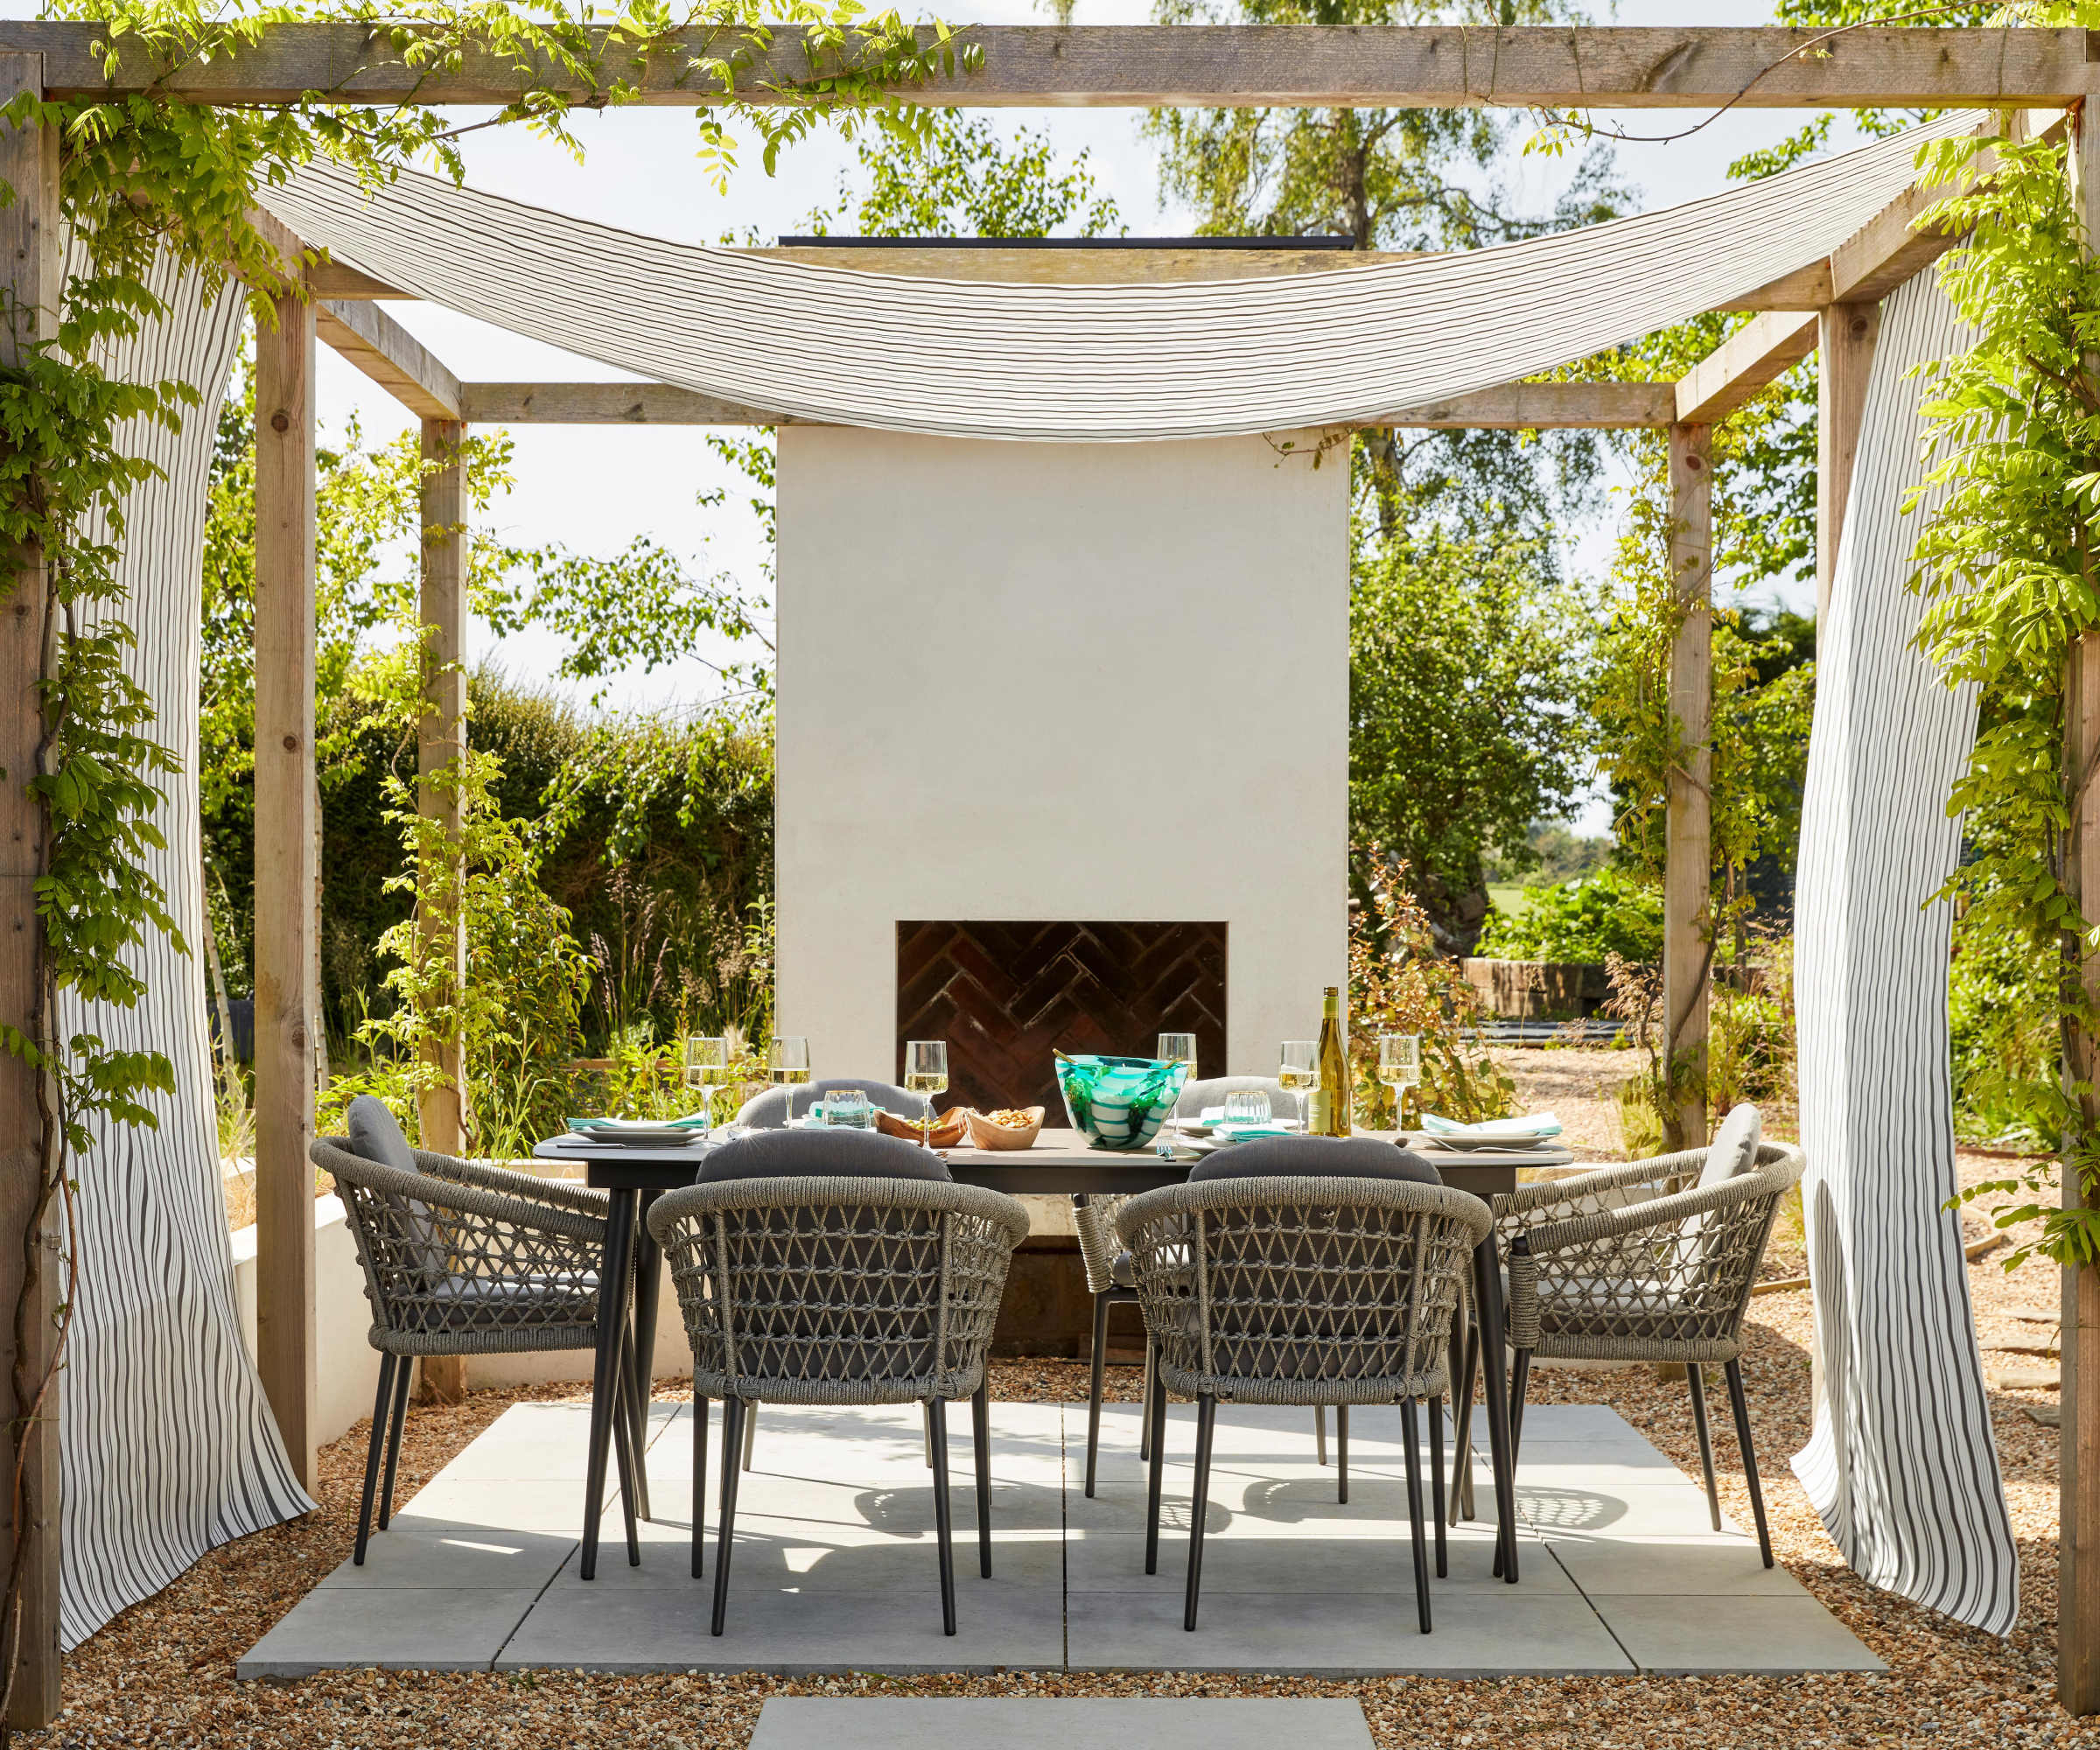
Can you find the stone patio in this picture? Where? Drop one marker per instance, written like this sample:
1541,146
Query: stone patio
834,1562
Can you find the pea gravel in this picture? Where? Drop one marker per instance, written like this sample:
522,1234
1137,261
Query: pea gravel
162,1673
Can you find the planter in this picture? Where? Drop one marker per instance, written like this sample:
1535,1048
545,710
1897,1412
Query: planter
1541,990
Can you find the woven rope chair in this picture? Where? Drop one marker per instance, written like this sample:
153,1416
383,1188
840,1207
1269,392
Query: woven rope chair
839,1291
463,1259
1309,1291
1667,1277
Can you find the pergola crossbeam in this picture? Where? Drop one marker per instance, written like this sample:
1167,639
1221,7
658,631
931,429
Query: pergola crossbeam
1755,355
373,341
1145,67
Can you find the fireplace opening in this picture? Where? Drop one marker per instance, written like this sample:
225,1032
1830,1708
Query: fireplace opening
1005,995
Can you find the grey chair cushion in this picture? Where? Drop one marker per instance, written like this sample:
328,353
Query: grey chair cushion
820,1154
1734,1149
771,1109
1212,1090
1326,1157
375,1136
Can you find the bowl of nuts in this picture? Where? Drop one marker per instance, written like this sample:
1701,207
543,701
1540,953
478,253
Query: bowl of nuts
1010,1128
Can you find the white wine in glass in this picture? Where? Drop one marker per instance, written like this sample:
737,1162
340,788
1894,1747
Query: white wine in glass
1400,1069
925,1074
707,1068
1299,1072
787,1062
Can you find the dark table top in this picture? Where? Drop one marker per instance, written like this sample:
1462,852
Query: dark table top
1058,1162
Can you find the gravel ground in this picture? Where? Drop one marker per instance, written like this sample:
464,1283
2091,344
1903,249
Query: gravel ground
163,1672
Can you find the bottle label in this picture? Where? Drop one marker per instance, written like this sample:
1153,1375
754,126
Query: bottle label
1319,1113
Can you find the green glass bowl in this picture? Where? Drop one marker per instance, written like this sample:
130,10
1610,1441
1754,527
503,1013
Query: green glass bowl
1119,1103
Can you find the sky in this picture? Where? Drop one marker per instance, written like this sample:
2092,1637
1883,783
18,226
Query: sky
595,488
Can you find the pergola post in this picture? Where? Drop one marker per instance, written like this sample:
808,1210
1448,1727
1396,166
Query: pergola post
441,736
1687,924
287,1009
2078,1435
29,251
1849,332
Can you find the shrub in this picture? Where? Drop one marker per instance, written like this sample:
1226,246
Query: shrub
1610,912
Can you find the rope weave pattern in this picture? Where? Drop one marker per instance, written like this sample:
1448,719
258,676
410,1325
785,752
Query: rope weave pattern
838,1290
1302,1290
467,1260
1666,1277
1094,1222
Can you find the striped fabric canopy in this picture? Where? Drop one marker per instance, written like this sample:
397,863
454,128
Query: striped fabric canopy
1090,363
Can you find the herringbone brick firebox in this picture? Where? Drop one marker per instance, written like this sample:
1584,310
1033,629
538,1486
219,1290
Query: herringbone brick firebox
1004,995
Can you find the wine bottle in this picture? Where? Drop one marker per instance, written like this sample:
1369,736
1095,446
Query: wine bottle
1329,1113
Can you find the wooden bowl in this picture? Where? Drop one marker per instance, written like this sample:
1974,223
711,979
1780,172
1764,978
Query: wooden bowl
987,1135
947,1132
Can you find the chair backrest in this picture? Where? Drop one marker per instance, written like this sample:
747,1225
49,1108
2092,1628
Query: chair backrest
1311,1290
771,1109
838,1290
443,1258
1212,1090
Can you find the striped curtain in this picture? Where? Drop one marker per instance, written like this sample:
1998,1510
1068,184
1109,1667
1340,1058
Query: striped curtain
167,1444
1901,1464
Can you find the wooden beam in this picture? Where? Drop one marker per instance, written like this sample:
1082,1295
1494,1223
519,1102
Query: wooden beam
1144,66
31,260
1687,880
2078,1433
1758,353
604,404
441,738
1848,333
1537,407
287,1010
1885,251
392,358
336,283
1805,288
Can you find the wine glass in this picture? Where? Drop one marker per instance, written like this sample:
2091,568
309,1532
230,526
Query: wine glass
787,1062
707,1068
1400,1069
1299,1072
1177,1048
926,1074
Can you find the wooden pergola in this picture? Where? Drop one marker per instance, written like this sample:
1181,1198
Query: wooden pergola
1828,305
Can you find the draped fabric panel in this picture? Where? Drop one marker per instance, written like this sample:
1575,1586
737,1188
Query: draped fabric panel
167,1444
1091,363
1901,1464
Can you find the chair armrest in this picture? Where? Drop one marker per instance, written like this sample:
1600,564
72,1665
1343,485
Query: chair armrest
562,1193
1661,1212
1547,1192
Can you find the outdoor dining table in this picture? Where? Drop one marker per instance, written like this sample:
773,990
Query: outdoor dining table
1059,1162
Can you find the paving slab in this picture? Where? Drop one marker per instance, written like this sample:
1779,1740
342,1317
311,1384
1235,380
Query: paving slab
1684,1636
1113,1561
347,1629
1607,1568
1059,1723
401,1559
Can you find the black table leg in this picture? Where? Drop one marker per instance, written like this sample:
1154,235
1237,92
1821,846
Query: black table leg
613,1272
1487,1285
648,1275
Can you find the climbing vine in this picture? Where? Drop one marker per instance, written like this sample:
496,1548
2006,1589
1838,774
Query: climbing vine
147,172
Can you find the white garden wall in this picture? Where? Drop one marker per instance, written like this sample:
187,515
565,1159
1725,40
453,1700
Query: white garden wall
1059,682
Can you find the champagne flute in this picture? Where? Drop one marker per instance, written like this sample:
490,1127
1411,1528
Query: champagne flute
787,1062
1400,1069
1299,1073
1177,1048
926,1074
707,1068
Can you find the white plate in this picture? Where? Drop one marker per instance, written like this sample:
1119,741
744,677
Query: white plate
635,1135
1492,1145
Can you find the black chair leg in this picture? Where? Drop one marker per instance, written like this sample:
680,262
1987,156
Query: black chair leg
980,1437
1093,1388
1435,1482
944,1529
1694,1375
1411,1435
1341,1452
1741,1405
1461,1462
700,1415
1520,1380
1319,1432
732,1440
1199,1505
1156,1400
751,1433
628,1463
381,1410
1145,1425
402,1375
